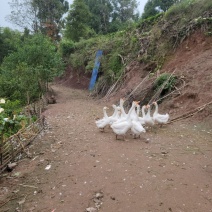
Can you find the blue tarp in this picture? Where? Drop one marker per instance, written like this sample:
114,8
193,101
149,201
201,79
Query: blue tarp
95,70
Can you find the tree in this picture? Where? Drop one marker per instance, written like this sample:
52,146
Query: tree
124,10
24,15
9,39
110,15
164,5
149,9
101,11
45,16
154,7
25,73
77,21
50,15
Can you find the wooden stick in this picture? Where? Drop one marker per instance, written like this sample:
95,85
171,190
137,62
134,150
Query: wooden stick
29,186
171,92
19,140
144,79
112,87
190,113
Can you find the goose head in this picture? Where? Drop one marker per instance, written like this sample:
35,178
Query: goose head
122,100
148,106
114,106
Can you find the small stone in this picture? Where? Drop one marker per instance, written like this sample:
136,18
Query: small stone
99,195
96,200
113,198
91,209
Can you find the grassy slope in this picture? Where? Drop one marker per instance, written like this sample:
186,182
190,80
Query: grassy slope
149,43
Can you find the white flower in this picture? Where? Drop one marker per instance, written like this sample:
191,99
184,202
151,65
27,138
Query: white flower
1,109
2,101
6,119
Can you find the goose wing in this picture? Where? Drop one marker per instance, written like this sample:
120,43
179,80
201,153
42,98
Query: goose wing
161,118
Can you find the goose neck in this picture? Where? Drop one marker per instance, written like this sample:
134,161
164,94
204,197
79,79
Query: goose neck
105,113
156,109
130,111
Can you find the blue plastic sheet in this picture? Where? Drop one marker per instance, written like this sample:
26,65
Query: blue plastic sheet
95,70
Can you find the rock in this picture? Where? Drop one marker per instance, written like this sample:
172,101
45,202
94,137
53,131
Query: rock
113,198
52,100
91,209
11,166
96,200
99,195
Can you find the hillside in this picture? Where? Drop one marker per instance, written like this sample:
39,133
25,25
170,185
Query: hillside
134,60
191,63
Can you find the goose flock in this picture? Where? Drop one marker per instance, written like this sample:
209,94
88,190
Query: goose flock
121,122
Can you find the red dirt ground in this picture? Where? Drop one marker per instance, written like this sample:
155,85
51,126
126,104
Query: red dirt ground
167,169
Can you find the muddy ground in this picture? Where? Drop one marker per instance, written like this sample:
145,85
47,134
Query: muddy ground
74,167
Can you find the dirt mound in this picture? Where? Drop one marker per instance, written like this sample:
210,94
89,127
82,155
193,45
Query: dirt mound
193,62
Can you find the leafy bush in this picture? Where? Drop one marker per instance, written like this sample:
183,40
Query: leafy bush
188,9
146,24
167,81
10,119
115,46
26,72
67,47
9,40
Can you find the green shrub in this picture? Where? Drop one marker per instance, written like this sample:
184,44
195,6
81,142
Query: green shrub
11,119
167,81
67,47
25,73
188,9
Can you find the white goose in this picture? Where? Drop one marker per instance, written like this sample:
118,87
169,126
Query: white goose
147,118
160,118
141,119
121,127
116,114
123,113
136,127
102,123
134,114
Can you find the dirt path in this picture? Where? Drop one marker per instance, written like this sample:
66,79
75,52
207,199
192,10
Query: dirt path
90,169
